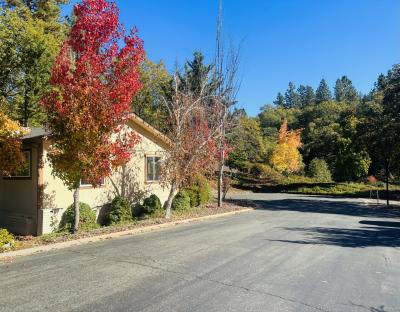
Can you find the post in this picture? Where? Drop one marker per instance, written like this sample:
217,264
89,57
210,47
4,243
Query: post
221,172
387,182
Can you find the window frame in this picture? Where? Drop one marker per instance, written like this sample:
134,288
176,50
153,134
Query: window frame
21,177
90,186
153,180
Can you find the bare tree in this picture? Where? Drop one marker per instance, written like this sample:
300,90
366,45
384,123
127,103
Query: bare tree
226,71
192,134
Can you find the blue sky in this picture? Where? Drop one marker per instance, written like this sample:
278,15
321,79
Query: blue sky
283,40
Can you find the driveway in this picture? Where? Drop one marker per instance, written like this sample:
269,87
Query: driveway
294,253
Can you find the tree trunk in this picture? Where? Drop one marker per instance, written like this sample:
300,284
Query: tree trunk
76,208
221,179
168,203
123,182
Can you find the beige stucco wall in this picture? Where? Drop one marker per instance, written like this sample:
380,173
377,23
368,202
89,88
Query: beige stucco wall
18,199
57,197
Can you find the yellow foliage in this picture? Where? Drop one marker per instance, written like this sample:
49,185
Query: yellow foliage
286,157
9,128
11,157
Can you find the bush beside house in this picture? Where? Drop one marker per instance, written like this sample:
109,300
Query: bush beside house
151,204
181,201
120,211
7,240
87,218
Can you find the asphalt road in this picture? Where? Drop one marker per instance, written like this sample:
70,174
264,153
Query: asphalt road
294,253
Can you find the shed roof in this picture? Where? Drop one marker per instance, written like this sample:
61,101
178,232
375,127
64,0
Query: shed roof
36,133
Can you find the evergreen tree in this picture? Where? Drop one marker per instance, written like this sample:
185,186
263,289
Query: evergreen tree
248,143
238,113
345,91
323,93
307,96
196,72
381,83
30,36
45,10
280,100
148,102
292,98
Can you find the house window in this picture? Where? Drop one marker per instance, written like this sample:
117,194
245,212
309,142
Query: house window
153,168
25,172
86,183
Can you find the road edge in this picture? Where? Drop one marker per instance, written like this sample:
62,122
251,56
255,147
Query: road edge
83,241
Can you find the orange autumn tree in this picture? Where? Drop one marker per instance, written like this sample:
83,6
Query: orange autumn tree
286,157
11,157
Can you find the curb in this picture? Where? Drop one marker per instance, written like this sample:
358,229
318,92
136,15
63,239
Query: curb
82,241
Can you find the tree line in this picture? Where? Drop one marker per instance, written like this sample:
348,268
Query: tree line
355,134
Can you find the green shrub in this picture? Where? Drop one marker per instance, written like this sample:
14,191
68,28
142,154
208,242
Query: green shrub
120,211
262,171
257,170
87,218
181,201
151,204
319,170
200,192
243,166
138,211
297,179
204,190
193,193
7,240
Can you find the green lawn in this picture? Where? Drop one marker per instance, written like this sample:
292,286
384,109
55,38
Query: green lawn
302,185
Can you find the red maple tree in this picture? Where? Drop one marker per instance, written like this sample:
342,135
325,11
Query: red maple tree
94,79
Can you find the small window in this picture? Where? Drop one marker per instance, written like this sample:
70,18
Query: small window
25,172
85,182
153,168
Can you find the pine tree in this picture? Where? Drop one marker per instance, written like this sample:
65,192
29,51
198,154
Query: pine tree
381,83
280,100
323,92
292,98
196,71
307,96
345,91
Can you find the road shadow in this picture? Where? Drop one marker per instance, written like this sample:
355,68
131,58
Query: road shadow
370,236
329,207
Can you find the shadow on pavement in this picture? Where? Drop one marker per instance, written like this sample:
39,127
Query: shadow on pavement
371,233
381,223
379,236
326,206
370,309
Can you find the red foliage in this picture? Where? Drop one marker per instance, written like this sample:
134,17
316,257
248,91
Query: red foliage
94,81
201,145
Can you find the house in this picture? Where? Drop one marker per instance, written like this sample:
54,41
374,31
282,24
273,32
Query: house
33,201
